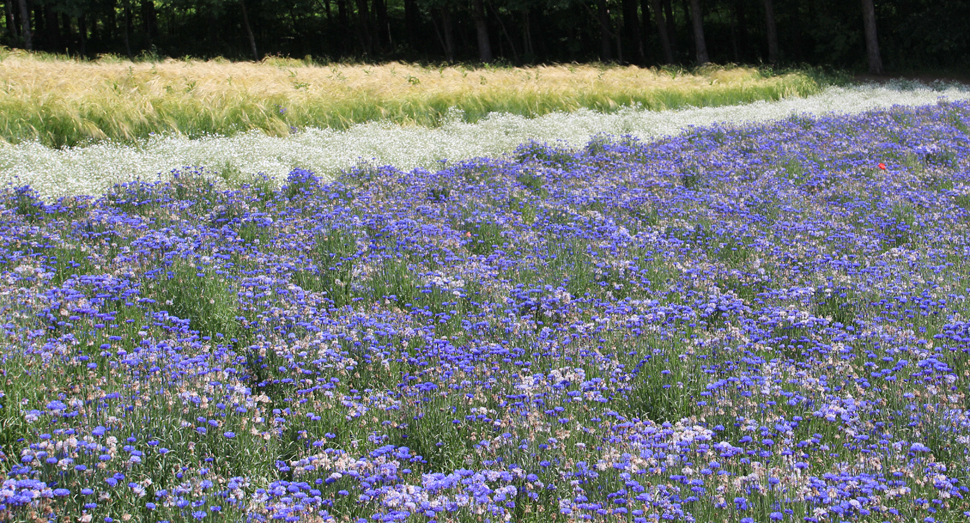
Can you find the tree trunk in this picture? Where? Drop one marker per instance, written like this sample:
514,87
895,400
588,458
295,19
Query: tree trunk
411,21
528,52
771,31
82,29
150,22
25,31
212,39
437,32
481,30
695,15
742,29
671,27
631,26
619,47
604,16
109,28
508,37
53,31
872,42
67,33
249,30
294,17
662,31
383,37
796,34
95,35
9,19
363,29
342,25
645,25
127,29
448,34
37,26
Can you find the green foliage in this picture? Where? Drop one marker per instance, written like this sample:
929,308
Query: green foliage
69,261
27,204
691,179
135,198
526,209
482,236
795,171
840,304
191,291
532,181
333,260
255,233
438,194
639,217
661,389
746,287
962,201
598,144
14,430
394,281
732,251
900,227
431,434
940,158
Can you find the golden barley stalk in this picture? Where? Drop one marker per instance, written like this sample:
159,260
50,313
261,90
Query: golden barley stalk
66,102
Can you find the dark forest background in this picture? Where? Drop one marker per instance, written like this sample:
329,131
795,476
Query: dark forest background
897,34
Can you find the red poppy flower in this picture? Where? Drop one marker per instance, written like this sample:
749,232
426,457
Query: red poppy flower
882,166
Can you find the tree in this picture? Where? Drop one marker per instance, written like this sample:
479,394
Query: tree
343,24
914,33
446,33
128,28
872,42
382,32
695,15
52,36
9,19
658,16
497,12
604,17
25,20
481,30
249,30
363,27
528,51
631,30
411,20
82,28
772,33
149,18
671,26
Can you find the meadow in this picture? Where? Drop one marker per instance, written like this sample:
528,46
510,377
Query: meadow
739,322
61,102
94,168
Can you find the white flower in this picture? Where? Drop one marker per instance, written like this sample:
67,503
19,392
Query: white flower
95,168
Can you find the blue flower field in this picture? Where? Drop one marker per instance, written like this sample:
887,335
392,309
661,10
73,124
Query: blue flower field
756,323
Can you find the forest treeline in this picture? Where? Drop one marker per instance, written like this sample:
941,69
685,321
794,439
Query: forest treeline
897,34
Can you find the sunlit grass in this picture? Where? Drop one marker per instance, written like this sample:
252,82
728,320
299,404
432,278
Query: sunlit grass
62,102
